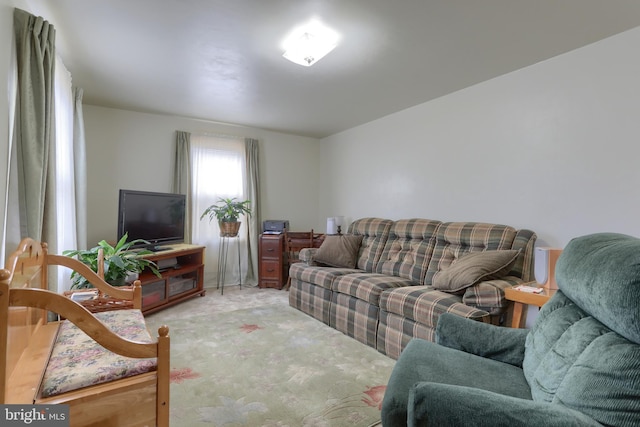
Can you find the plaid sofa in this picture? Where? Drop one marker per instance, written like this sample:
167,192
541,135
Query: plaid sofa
388,298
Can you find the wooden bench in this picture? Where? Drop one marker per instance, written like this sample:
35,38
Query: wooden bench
30,347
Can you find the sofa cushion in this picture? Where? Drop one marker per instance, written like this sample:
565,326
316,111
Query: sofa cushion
339,251
318,275
396,331
408,249
425,304
367,286
435,404
375,232
427,361
454,239
311,299
474,267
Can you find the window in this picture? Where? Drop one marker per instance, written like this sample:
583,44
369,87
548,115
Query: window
65,201
218,170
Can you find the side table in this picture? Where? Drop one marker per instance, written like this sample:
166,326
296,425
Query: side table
521,299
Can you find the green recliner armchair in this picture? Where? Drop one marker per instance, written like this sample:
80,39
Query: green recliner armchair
579,365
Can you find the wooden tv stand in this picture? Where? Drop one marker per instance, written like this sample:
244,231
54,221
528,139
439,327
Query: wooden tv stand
180,280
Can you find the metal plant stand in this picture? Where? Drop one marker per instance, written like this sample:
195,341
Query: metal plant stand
225,241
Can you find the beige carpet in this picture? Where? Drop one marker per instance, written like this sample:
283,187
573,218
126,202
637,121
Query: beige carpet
246,358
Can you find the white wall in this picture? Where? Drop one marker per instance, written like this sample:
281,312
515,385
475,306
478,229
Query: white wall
552,147
6,43
134,150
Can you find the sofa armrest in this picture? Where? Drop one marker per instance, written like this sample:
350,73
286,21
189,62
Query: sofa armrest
307,255
489,295
482,339
443,404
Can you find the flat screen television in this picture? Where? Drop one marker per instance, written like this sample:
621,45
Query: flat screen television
157,218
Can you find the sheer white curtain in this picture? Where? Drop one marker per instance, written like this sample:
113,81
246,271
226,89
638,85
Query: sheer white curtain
218,165
64,182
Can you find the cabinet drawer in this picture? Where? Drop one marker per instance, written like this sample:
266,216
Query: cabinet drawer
153,293
270,284
271,248
270,270
181,284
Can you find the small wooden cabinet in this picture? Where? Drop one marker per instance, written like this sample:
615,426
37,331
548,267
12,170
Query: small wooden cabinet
272,266
182,271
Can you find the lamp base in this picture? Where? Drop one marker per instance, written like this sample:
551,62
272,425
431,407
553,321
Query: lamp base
552,257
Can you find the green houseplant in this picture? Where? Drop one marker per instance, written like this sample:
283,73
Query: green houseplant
119,261
227,211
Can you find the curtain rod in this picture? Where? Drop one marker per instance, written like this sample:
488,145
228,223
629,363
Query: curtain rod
218,135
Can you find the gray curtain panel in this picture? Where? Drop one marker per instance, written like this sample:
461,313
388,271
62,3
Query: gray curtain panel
182,177
253,194
35,51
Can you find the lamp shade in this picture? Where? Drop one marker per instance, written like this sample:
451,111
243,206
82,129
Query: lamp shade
331,225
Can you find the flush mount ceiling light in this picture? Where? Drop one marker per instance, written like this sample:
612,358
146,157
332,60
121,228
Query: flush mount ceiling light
307,44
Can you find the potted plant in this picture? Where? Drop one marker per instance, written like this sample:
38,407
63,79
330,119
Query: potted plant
120,261
227,211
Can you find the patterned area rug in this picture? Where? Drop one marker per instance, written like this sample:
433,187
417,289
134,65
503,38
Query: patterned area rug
248,359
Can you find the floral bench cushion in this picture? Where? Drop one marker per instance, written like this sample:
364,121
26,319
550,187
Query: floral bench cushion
78,361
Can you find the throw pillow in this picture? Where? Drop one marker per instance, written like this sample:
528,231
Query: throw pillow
339,251
474,267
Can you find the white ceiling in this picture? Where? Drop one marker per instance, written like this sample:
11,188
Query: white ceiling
221,60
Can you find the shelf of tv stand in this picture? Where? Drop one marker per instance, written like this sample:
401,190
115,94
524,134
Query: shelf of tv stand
179,282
